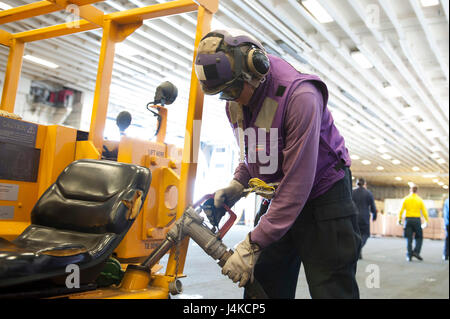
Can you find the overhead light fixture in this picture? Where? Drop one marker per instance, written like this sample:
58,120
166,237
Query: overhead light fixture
217,25
366,162
445,186
435,148
382,149
435,155
429,3
126,50
411,184
398,178
357,128
379,141
392,91
432,133
361,59
396,162
440,183
317,11
5,6
435,180
386,156
354,157
415,169
380,168
441,161
40,61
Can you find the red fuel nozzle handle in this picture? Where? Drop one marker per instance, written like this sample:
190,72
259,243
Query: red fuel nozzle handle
226,227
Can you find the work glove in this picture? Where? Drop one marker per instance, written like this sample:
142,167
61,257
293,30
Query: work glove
229,195
240,265
424,225
399,223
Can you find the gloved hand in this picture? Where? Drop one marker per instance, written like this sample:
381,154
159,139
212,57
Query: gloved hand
228,195
240,265
399,222
424,225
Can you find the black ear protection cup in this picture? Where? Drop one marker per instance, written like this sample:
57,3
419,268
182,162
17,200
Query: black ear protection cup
257,62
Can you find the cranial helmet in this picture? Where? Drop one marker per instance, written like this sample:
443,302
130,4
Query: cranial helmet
227,58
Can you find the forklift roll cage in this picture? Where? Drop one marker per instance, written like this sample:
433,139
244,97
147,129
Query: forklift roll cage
116,26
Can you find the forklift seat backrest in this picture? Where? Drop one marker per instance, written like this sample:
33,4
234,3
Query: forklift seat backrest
86,197
80,219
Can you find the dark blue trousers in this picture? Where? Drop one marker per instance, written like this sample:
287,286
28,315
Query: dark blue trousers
365,232
325,238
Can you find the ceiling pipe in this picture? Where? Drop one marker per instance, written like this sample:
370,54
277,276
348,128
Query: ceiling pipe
444,4
430,37
362,115
403,70
345,75
257,12
386,5
370,56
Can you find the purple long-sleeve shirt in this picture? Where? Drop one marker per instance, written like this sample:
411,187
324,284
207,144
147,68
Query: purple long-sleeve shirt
302,135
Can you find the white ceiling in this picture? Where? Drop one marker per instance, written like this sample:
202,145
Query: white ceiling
406,43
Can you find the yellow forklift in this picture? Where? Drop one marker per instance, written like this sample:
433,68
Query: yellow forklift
62,205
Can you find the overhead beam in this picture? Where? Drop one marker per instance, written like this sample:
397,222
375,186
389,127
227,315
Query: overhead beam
153,11
92,14
430,38
444,4
80,9
387,7
55,31
36,9
27,11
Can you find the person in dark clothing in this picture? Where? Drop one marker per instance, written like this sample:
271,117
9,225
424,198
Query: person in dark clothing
363,199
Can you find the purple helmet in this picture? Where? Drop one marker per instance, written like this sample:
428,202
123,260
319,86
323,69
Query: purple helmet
221,59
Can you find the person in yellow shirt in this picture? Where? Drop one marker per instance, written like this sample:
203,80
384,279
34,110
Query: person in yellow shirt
415,208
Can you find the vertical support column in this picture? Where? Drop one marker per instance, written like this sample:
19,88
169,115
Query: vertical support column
12,75
102,84
191,141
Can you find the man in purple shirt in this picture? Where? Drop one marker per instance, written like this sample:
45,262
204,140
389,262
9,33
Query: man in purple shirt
287,136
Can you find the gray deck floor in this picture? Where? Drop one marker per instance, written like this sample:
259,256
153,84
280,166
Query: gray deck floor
397,279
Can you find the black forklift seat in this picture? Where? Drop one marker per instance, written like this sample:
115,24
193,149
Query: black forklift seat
80,219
